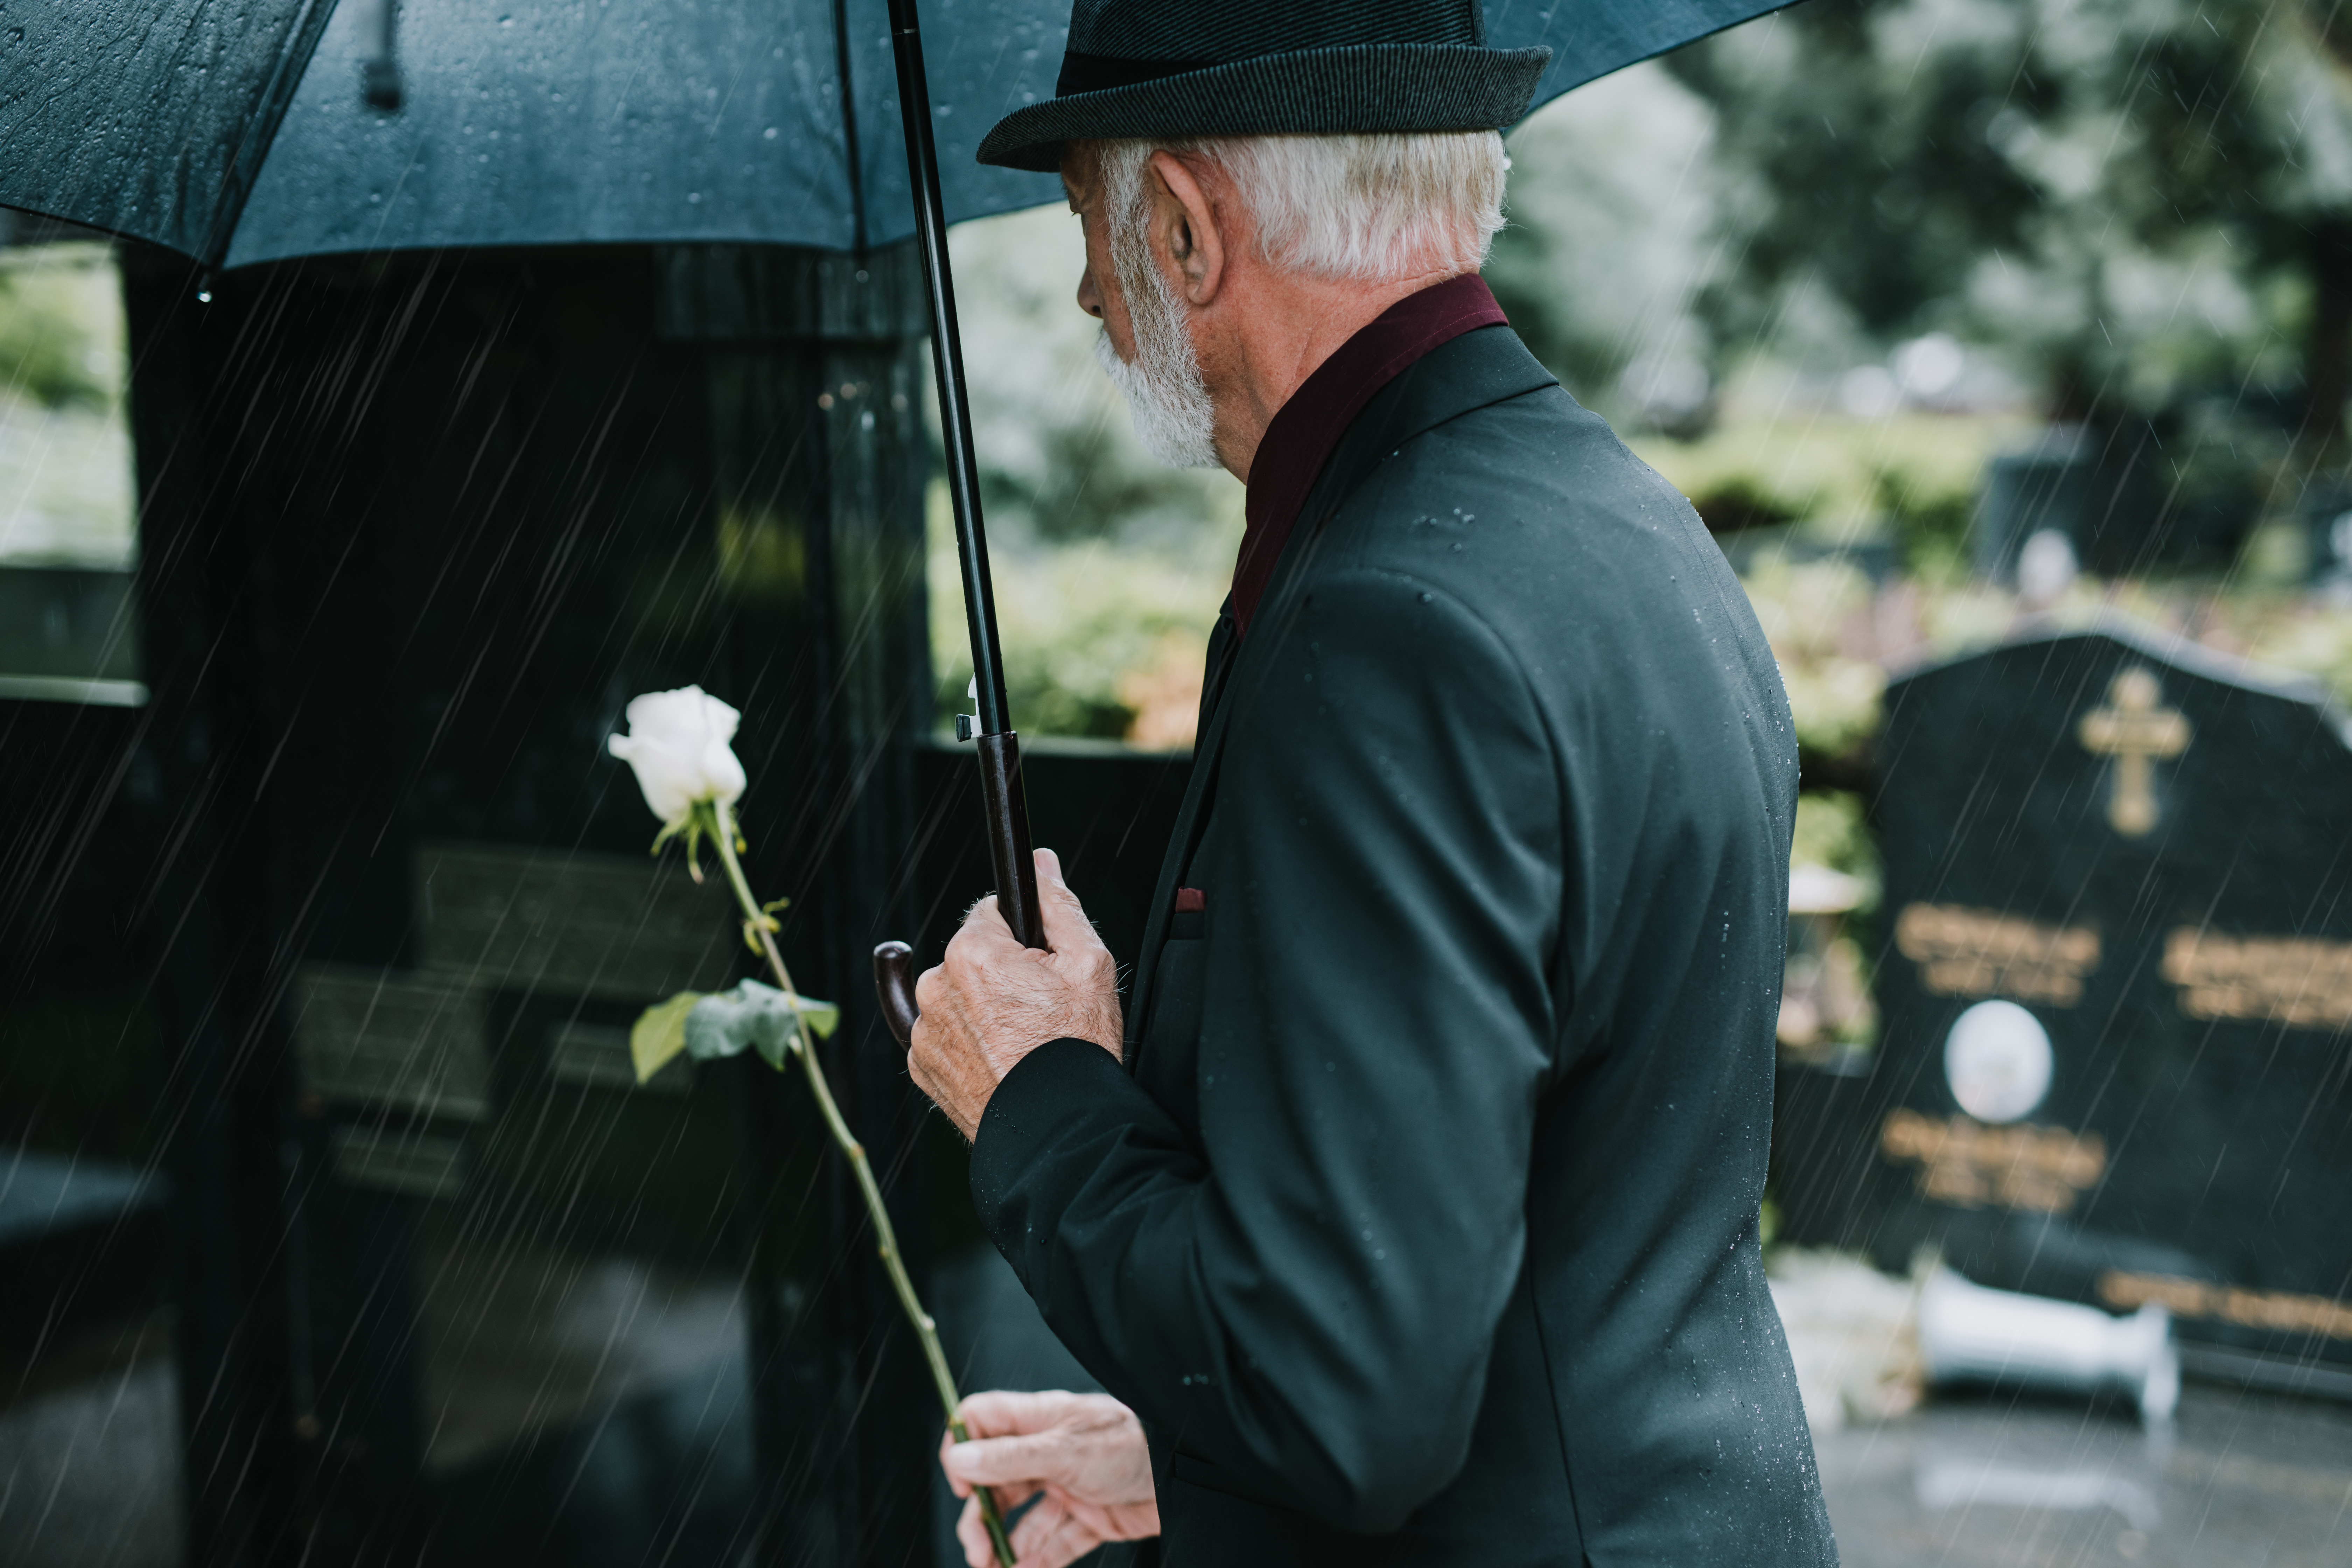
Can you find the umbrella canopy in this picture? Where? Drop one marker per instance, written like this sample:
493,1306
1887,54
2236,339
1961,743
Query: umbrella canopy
239,132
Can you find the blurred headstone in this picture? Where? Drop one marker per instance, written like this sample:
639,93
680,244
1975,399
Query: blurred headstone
1824,1001
2115,980
2128,496
454,1286
69,635
2044,486
2327,524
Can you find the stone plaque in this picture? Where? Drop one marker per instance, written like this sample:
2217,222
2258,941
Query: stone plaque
381,1037
567,923
412,1164
596,1056
2117,986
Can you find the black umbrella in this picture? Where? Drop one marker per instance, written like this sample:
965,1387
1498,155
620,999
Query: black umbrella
239,132
243,130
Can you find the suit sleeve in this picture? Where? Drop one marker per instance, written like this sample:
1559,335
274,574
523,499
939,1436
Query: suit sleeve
1305,1300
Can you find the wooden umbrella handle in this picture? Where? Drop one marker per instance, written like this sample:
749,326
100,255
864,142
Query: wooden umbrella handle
894,980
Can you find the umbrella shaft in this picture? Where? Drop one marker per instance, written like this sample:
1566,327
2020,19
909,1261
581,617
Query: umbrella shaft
947,357
1002,800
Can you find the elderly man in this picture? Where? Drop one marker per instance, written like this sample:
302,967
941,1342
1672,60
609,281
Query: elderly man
1409,1210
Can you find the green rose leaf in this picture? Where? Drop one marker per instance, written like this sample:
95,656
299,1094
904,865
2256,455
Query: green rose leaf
659,1032
751,1016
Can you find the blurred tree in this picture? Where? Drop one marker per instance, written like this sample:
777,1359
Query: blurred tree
51,353
2140,198
1059,460
1614,192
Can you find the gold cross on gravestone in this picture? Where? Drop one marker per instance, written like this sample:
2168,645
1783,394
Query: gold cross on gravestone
2136,732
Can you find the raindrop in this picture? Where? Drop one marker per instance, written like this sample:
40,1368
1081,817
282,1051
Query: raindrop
769,134
694,198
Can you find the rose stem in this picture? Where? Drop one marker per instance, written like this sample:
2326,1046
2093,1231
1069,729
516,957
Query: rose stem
803,1045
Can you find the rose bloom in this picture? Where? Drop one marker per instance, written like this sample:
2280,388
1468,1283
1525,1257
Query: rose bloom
676,745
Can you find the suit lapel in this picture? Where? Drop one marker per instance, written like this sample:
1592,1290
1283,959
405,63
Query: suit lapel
1471,372
1208,743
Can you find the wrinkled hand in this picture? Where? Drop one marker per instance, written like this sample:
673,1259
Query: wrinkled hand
1084,1451
994,1001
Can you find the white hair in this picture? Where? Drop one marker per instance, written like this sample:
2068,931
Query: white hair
1372,208
1165,392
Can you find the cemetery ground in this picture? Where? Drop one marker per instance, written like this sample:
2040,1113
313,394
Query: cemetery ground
2002,1481
1961,1480
1997,1478
89,1475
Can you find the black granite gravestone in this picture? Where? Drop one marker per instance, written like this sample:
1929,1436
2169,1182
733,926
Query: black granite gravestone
450,1287
2116,987
320,939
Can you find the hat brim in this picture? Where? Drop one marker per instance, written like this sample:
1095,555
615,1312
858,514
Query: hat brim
1355,89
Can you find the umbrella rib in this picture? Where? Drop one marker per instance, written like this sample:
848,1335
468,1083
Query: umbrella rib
849,124
261,130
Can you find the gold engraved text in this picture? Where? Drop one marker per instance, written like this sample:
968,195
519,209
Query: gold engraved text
2278,1310
2302,983
1968,1165
1976,953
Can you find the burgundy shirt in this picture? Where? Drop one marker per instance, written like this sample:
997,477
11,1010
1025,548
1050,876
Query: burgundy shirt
1300,436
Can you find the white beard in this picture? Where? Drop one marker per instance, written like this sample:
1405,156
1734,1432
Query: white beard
1165,394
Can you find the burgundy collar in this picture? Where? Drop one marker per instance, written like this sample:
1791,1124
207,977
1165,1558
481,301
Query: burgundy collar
1300,436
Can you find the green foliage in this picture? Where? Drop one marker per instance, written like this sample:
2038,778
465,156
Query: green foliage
1929,522
1059,460
659,1034
1830,832
1739,503
1824,468
752,1016
1078,622
708,1028
2112,189
1613,197
2310,638
1804,608
1106,563
56,331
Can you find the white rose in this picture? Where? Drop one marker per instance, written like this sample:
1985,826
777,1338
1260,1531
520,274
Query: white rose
676,745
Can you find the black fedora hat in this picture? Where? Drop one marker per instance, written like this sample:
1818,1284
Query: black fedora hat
1262,67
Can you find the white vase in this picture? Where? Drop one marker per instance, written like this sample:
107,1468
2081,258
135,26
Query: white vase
1970,1334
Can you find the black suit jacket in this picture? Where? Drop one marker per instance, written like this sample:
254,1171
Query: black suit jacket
1422,1225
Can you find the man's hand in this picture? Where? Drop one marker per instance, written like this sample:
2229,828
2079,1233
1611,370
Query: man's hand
994,1001
1084,1451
